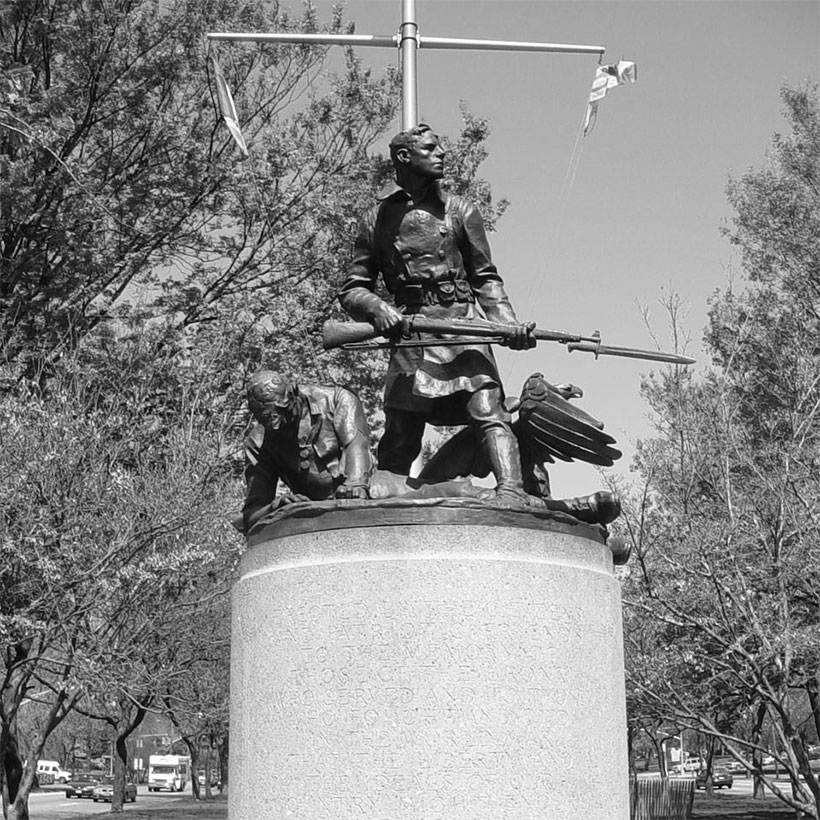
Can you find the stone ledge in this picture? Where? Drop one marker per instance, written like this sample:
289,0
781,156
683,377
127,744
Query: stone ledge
317,516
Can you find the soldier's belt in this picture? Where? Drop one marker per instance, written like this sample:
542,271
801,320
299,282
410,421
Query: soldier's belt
448,292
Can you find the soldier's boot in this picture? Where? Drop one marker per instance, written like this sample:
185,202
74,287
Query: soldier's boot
501,448
602,507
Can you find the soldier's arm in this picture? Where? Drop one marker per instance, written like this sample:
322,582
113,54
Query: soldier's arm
357,294
261,480
353,433
486,282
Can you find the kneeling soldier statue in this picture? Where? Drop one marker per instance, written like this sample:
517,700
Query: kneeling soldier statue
315,439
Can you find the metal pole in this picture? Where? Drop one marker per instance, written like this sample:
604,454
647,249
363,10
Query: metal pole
384,41
319,39
507,45
408,43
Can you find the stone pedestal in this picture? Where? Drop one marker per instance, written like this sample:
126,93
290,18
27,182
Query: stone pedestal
428,661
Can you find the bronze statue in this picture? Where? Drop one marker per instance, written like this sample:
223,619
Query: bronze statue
431,250
315,439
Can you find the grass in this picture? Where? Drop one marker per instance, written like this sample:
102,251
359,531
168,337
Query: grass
739,807
216,809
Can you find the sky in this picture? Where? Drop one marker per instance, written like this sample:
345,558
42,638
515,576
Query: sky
601,231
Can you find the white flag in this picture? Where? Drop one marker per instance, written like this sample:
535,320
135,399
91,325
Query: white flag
606,77
228,109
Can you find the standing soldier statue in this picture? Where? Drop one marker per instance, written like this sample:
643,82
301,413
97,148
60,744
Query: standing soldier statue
431,249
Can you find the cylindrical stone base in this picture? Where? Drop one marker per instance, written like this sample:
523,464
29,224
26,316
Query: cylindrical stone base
434,663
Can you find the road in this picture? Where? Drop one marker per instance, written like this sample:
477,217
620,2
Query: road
54,805
745,785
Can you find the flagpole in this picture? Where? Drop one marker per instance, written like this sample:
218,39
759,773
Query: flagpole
408,33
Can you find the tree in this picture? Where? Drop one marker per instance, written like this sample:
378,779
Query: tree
726,531
116,490
118,170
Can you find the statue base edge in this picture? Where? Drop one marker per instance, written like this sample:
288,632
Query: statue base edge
339,514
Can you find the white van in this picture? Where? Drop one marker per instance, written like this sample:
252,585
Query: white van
170,772
53,769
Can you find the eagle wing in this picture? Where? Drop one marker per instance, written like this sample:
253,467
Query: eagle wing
550,427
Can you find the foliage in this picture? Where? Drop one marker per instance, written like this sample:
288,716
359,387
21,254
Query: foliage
464,157
726,531
121,181
115,490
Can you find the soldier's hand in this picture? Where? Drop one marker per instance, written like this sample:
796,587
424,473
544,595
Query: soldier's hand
521,338
287,498
386,318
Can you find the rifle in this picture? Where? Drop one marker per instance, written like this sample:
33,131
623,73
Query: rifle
361,336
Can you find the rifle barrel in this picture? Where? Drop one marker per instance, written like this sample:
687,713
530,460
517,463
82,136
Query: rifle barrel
417,323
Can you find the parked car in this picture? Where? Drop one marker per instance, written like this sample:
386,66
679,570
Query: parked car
214,778
721,777
82,785
105,791
692,764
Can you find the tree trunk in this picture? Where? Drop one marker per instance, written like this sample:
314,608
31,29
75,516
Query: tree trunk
19,777
710,757
222,751
659,751
120,768
192,744
12,767
208,766
130,717
17,809
758,791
